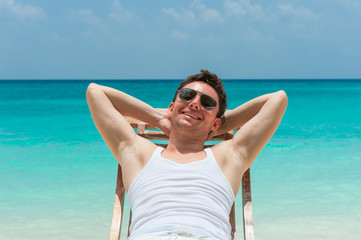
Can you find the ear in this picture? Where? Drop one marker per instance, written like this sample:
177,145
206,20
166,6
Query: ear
216,124
170,108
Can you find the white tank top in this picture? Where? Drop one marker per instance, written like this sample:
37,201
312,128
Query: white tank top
192,200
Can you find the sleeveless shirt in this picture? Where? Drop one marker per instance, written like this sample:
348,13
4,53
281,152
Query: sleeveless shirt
192,199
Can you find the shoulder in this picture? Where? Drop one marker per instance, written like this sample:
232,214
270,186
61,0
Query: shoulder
134,158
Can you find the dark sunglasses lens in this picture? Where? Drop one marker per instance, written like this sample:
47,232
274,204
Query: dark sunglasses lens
187,94
208,102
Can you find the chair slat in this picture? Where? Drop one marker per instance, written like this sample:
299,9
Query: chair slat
247,206
154,135
118,208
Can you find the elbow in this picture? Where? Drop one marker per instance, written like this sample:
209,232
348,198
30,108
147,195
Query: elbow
92,87
92,91
282,98
282,94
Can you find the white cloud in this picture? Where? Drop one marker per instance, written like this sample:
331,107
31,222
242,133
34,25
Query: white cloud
244,7
207,14
300,12
57,37
357,6
116,14
88,17
23,11
120,14
299,18
198,13
183,15
350,6
234,8
179,35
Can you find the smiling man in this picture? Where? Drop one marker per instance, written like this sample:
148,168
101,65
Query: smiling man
185,191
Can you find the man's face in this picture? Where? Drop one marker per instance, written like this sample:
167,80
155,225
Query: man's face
191,114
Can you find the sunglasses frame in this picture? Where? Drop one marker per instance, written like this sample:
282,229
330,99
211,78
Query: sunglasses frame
208,108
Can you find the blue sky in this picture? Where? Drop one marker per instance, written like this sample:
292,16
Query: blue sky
132,39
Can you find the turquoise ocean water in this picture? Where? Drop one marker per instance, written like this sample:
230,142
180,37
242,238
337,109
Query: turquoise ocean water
57,176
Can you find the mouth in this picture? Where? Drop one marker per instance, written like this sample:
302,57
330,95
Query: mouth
191,115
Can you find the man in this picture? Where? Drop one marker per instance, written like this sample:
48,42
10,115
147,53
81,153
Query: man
185,191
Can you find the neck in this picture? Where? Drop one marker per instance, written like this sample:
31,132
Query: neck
184,148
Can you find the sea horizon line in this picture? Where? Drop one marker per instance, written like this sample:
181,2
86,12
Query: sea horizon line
181,79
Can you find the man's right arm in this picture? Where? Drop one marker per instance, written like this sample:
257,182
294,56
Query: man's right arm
108,106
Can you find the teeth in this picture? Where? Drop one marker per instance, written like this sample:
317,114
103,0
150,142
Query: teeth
191,115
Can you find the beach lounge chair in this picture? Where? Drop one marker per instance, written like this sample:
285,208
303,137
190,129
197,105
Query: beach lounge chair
149,132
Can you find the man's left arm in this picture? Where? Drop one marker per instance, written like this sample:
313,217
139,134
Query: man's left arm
258,120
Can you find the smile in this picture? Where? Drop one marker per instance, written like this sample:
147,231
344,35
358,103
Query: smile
191,115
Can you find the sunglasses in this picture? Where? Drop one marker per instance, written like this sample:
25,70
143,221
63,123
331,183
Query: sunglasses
207,102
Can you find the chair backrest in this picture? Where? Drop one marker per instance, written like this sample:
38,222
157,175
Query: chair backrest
150,132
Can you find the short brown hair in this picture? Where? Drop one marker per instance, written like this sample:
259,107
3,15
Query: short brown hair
214,81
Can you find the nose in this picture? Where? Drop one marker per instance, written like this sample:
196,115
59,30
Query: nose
195,103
